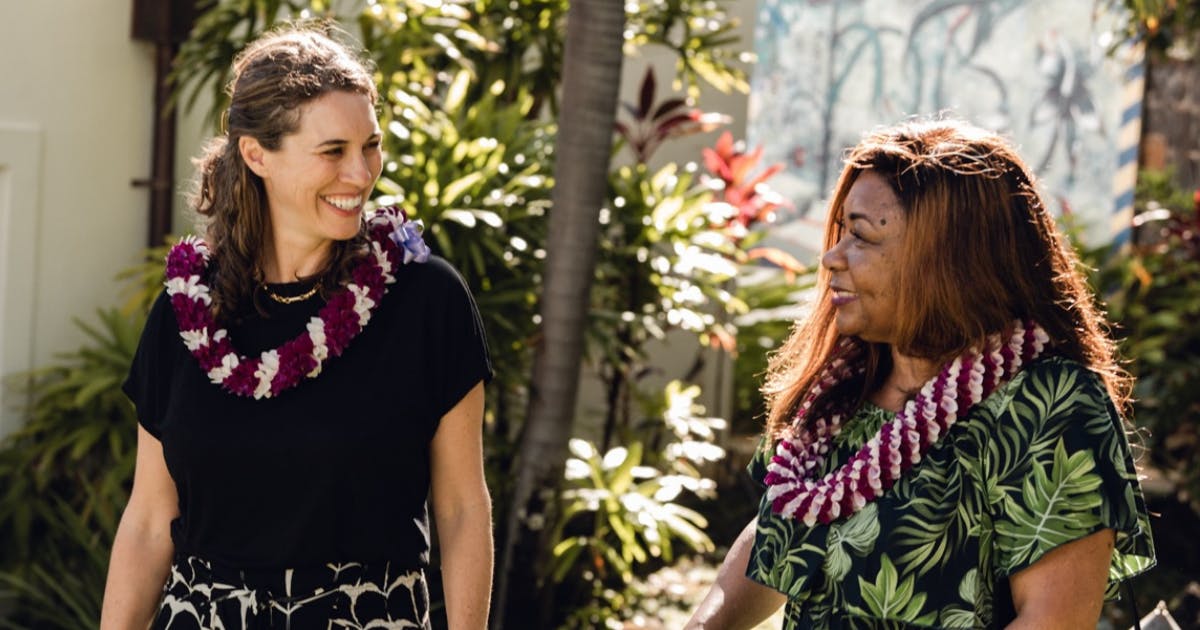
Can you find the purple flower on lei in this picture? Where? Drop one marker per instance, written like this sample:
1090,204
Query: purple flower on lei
408,237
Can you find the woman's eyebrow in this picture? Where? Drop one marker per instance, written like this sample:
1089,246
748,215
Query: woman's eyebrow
340,141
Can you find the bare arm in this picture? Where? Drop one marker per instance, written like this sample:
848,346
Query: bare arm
142,549
1065,588
463,510
735,601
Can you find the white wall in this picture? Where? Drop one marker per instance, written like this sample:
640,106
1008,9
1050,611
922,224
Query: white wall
82,90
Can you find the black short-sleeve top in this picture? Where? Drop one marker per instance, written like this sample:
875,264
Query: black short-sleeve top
1039,463
336,469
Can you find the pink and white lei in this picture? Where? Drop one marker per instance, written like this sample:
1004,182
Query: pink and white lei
792,483
394,241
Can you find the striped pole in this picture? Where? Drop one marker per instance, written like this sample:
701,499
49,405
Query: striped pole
1128,138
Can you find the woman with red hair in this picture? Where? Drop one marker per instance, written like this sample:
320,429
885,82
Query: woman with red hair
944,444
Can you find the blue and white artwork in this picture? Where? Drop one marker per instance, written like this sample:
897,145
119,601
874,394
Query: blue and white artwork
1037,72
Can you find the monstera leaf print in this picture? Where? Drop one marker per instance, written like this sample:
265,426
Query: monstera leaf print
1055,507
859,533
890,598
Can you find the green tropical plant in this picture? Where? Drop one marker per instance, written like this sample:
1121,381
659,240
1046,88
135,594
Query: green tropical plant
63,586
856,535
620,508
674,243
634,517
1055,507
515,45
1161,24
1152,290
67,471
415,44
889,597
662,266
699,33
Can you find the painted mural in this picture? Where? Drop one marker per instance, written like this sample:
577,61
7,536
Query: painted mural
1036,71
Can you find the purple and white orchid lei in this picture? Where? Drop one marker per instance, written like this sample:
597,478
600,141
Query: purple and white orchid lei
394,241
793,487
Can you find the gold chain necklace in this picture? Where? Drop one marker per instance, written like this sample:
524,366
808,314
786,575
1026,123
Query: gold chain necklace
291,299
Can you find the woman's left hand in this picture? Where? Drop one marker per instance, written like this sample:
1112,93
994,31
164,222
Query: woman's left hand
1065,588
463,511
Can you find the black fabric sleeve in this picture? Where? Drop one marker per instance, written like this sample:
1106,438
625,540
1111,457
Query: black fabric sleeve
757,468
1065,470
149,375
463,360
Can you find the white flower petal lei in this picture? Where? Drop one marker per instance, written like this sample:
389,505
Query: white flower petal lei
792,483
316,332
362,303
268,367
222,372
191,287
186,265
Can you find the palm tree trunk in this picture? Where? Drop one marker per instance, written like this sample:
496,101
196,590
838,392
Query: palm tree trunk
591,76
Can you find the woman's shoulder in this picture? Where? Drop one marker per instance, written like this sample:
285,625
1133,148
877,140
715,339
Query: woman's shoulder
1055,390
435,272
428,287
1058,370
161,311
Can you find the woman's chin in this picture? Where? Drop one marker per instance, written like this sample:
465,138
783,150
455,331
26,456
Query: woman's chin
343,230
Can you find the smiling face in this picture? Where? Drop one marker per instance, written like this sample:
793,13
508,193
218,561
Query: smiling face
864,265
318,179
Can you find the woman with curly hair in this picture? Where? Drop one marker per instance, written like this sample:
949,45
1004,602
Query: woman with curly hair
307,380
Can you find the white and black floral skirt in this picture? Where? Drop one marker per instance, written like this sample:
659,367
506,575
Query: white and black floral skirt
350,595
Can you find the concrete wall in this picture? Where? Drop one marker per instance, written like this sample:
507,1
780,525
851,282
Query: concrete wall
76,102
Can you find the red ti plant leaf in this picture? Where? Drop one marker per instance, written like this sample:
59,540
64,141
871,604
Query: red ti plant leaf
667,107
653,123
715,164
666,127
791,267
646,99
748,194
721,338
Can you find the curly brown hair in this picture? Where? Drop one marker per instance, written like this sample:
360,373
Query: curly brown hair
273,77
980,251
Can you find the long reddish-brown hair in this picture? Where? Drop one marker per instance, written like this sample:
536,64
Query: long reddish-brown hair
273,77
980,251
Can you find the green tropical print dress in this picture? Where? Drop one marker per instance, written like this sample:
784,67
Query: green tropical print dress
1041,462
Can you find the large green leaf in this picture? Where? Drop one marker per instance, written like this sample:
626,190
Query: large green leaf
889,597
1058,503
859,532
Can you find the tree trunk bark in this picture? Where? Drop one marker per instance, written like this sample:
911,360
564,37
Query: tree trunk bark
591,77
